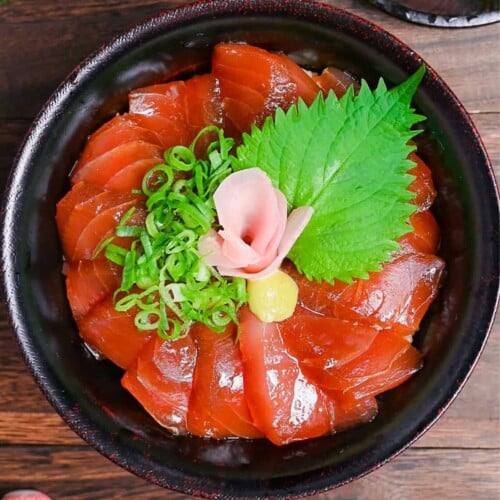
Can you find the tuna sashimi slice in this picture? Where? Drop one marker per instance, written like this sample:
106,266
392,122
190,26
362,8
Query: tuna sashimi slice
335,79
218,407
401,369
113,333
350,412
78,209
202,102
164,99
131,176
75,198
88,282
101,169
115,132
161,380
177,111
89,226
251,78
423,185
325,342
284,405
381,367
396,297
425,235
169,132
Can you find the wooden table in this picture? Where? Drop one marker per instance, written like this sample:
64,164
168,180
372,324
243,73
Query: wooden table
40,42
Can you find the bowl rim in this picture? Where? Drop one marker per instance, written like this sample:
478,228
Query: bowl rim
319,480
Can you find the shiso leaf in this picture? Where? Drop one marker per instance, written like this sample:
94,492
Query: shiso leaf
348,159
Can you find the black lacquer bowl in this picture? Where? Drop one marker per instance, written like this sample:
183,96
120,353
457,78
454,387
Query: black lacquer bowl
87,393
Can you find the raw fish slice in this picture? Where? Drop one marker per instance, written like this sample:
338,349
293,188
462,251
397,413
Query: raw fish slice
350,412
117,131
161,380
324,342
422,186
284,405
91,226
78,195
170,132
130,177
203,107
254,100
100,170
244,72
164,99
103,227
335,79
401,369
88,282
202,103
425,235
178,110
113,333
217,399
396,298
74,212
380,368
238,117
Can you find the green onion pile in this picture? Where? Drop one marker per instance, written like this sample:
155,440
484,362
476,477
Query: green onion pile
164,277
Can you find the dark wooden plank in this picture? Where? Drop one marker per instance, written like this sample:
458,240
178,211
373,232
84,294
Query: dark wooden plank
28,77
32,11
36,428
74,472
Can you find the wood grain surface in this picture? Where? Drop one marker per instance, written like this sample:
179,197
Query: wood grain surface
40,42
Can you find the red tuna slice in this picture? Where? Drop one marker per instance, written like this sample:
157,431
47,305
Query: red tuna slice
115,132
396,298
350,412
389,361
423,185
113,333
251,78
88,282
425,235
178,110
100,170
217,399
325,342
79,194
203,107
131,176
401,369
284,405
164,99
92,222
161,108
170,132
335,79
202,102
161,380
79,207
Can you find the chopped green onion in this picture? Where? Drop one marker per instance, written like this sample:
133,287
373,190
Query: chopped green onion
164,278
115,254
102,246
